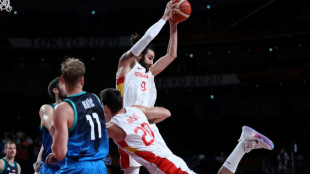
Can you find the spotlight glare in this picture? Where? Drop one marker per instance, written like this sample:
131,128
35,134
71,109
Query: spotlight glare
191,55
270,49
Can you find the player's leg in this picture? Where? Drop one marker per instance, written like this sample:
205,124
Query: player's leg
132,170
128,164
249,139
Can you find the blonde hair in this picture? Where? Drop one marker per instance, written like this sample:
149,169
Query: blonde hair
72,70
8,143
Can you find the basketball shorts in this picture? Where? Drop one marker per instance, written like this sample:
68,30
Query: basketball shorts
49,169
89,167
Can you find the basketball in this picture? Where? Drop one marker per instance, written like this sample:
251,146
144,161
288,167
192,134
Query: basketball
183,10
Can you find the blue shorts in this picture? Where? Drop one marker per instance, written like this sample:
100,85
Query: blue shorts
49,169
89,167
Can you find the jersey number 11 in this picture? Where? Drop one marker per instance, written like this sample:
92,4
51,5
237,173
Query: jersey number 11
92,126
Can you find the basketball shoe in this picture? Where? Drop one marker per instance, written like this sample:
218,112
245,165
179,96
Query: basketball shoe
254,140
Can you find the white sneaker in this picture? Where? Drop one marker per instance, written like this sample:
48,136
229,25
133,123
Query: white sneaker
254,140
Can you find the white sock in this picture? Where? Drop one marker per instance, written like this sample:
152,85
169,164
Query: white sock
234,158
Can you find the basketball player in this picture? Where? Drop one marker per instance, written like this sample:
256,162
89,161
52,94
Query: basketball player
130,129
136,71
7,164
80,130
126,126
57,93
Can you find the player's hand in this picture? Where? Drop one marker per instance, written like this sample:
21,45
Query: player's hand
37,166
170,10
50,159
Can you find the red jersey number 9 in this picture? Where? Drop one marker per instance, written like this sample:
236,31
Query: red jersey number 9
143,86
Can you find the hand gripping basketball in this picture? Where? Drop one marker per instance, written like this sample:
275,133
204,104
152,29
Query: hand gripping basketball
183,10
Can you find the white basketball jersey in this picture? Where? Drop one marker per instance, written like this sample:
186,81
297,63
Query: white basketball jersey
141,144
138,88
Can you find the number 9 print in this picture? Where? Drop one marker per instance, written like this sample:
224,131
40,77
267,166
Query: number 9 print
143,86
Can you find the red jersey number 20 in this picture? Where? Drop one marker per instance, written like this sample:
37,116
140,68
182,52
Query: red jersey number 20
147,133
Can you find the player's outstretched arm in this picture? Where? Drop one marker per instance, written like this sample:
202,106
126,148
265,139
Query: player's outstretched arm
152,32
38,164
224,170
154,114
164,61
40,154
127,60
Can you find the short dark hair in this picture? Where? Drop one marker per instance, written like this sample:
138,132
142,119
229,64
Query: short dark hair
149,47
112,98
53,84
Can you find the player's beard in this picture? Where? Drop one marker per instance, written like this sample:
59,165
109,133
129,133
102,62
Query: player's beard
142,63
62,95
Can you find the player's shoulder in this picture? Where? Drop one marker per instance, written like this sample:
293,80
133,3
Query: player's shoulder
62,106
62,111
127,57
125,65
45,108
1,164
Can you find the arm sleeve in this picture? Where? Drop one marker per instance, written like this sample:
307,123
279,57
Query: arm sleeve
149,35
